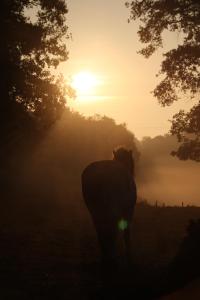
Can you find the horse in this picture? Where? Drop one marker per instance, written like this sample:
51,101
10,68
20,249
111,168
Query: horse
109,191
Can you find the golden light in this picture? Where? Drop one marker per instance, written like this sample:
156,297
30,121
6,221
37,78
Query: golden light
84,83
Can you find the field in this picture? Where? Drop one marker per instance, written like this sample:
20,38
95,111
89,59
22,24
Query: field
52,253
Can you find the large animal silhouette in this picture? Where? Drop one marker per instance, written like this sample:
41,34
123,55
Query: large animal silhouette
109,192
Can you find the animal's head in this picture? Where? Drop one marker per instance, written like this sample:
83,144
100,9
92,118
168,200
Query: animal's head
124,156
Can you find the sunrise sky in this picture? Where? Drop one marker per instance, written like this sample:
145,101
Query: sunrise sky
105,46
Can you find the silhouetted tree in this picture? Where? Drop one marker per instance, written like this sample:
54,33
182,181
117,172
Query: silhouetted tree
181,65
32,44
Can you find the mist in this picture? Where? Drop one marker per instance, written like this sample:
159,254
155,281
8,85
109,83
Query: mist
163,178
43,213
50,171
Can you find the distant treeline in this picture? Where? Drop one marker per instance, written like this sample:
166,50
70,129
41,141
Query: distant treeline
48,166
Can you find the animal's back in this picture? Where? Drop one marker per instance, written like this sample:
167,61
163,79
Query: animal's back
108,189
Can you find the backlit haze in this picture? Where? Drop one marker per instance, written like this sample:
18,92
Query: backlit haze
105,46
111,79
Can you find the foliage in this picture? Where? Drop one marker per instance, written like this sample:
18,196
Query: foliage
180,66
32,37
51,170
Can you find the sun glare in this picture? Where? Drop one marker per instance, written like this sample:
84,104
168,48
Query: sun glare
85,83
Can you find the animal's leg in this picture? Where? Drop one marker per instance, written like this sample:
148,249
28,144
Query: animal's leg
107,241
127,240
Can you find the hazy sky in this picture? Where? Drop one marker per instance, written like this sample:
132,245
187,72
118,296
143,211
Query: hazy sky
106,45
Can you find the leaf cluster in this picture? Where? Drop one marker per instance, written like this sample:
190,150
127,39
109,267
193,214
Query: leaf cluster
32,37
180,66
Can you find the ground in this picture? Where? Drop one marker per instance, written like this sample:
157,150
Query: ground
54,254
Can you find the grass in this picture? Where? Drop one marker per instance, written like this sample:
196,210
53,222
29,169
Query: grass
52,253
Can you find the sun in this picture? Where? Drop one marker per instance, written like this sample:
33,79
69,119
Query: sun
84,83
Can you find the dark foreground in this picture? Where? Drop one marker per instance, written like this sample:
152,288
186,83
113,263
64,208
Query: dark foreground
53,254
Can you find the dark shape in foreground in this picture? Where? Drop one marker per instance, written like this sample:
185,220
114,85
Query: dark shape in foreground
109,192
186,265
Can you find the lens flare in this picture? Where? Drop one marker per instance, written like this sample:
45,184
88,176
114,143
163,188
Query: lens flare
122,224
